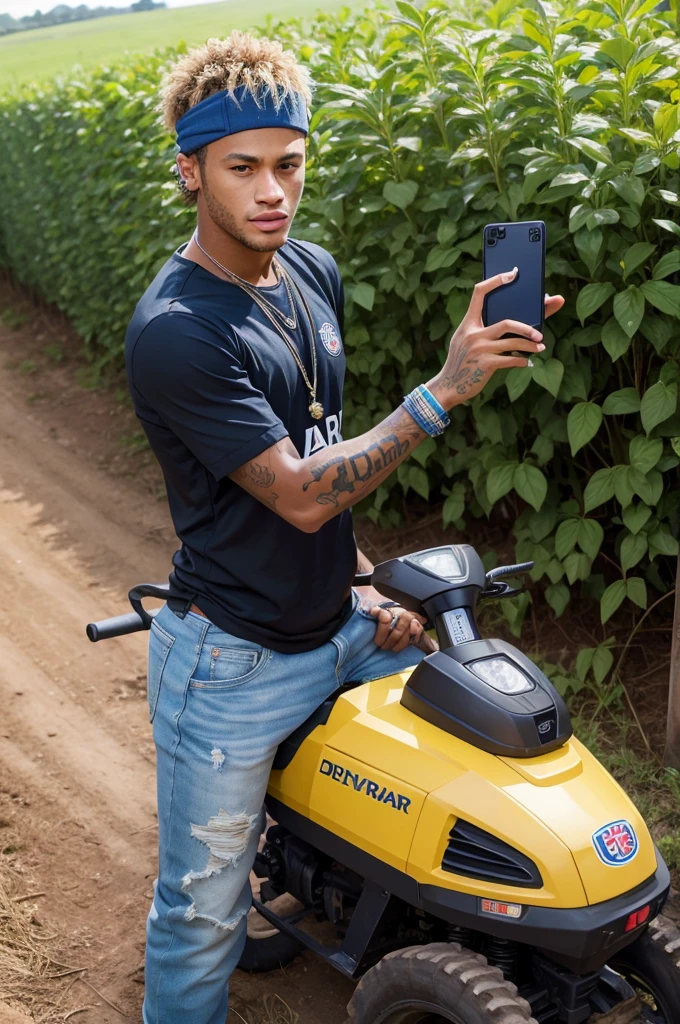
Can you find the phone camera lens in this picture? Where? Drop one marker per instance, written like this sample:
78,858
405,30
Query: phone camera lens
493,232
501,232
491,240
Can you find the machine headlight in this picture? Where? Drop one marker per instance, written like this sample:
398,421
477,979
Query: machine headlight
502,674
445,562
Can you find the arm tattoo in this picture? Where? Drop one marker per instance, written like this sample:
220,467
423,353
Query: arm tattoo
260,475
353,472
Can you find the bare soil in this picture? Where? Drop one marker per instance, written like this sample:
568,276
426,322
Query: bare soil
83,517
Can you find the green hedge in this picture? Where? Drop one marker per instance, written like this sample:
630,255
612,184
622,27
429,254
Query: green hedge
429,123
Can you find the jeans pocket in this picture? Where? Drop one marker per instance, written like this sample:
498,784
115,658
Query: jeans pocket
160,645
229,665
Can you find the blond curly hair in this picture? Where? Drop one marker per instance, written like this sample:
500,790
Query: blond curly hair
261,65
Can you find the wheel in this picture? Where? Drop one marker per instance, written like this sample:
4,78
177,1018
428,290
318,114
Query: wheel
435,984
652,966
266,948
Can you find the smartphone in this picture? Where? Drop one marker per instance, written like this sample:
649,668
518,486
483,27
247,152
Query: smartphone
521,245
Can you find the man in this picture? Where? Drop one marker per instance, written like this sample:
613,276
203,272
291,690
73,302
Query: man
235,364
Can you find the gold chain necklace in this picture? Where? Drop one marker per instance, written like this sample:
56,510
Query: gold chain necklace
316,409
253,291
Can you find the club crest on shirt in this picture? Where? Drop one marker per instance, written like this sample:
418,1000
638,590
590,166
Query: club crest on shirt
330,339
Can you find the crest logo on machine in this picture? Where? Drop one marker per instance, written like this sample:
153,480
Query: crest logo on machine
330,339
616,843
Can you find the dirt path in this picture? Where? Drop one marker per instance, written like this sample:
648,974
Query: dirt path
83,517
79,524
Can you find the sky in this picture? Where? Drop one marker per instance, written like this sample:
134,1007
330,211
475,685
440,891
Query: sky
19,8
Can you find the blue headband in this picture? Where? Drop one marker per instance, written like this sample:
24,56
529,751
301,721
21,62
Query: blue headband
221,114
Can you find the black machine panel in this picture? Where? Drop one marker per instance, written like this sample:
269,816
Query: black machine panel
451,689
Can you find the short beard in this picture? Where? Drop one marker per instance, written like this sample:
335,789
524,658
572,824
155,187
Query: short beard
221,216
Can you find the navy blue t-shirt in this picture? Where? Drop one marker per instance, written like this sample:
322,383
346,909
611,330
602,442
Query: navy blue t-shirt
214,385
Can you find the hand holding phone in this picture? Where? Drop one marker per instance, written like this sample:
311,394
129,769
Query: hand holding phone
497,312
521,245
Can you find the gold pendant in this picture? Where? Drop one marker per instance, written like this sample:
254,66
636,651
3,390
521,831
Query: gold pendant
316,409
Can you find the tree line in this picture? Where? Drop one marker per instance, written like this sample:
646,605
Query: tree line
63,13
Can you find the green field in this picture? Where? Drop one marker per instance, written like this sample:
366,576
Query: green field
44,52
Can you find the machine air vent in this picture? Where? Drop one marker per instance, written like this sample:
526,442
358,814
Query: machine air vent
477,854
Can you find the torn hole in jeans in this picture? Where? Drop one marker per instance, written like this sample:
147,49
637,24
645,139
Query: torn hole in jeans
227,837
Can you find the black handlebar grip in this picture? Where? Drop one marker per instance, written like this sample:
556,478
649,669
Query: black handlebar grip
118,626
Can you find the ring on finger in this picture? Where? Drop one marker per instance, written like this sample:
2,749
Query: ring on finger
393,623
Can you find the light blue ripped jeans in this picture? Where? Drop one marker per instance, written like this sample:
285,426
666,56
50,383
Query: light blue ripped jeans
220,706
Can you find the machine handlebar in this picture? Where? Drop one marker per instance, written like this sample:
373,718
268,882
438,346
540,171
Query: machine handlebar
140,618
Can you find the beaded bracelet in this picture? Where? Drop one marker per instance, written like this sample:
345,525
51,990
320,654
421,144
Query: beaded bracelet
426,411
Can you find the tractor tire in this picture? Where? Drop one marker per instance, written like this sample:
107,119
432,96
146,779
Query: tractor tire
431,984
652,966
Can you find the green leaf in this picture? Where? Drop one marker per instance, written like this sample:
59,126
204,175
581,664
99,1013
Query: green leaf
589,245
618,403
658,403
595,150
658,330
592,297
438,257
633,548
600,488
644,453
548,373
584,660
645,163
602,216
590,537
500,481
412,142
557,596
646,486
624,478
603,659
530,484
417,478
454,506
667,225
615,340
662,542
675,443
517,381
637,591
668,264
400,193
577,566
447,231
423,452
635,516
663,295
629,308
620,50
363,294
566,537
583,422
635,255
630,188
612,599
